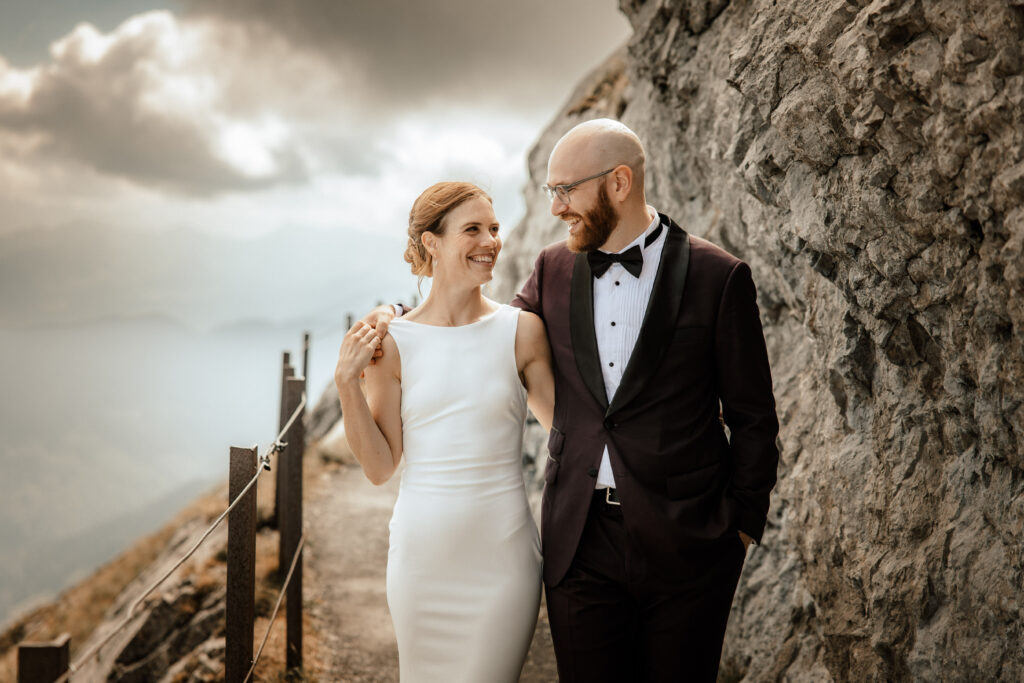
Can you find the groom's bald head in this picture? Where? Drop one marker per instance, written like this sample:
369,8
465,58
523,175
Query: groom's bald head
596,145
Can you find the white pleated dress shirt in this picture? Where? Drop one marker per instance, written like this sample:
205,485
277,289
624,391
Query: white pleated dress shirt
620,301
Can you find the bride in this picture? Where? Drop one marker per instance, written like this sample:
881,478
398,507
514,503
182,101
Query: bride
450,393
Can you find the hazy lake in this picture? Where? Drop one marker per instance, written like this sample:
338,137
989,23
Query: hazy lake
108,428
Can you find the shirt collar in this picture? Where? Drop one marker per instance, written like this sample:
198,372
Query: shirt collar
641,238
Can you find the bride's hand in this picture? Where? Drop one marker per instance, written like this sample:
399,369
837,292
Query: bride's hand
379,319
357,349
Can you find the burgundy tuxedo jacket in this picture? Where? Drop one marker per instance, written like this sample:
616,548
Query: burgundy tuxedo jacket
681,481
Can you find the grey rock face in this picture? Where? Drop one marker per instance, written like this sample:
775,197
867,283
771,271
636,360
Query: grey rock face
867,160
174,634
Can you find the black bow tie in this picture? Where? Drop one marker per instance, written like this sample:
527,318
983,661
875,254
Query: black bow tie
632,260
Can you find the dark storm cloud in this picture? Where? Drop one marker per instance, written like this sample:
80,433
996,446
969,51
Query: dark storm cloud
525,54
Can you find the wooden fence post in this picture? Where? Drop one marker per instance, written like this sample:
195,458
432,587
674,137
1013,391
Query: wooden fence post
43,662
305,359
241,582
286,371
291,522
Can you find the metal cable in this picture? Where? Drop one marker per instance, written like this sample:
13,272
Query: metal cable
264,460
273,615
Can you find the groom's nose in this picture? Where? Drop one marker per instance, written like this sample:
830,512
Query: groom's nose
558,207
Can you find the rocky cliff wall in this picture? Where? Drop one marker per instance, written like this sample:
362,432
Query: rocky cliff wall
867,160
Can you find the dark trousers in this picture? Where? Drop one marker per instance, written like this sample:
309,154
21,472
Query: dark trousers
615,618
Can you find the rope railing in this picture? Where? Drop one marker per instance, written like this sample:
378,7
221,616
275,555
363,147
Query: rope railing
264,462
277,606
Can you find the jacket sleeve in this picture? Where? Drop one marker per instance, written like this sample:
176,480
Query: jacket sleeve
748,404
529,298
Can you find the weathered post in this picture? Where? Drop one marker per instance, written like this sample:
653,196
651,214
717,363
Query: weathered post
241,581
291,522
305,359
286,371
43,662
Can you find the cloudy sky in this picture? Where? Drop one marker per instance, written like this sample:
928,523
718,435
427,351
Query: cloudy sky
165,157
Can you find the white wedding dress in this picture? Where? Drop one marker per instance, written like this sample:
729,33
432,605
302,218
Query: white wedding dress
464,564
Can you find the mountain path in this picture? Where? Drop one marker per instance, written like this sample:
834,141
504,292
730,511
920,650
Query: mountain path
346,522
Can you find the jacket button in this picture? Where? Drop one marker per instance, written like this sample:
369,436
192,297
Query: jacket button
592,472
608,424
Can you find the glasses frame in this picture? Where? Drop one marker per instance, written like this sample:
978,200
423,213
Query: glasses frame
562,191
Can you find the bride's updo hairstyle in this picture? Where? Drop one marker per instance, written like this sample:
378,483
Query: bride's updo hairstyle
427,215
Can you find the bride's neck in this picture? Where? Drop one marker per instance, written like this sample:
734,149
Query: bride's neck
454,306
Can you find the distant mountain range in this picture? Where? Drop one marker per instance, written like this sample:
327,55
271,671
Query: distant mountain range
84,274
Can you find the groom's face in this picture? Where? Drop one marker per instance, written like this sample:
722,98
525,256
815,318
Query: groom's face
589,213
590,225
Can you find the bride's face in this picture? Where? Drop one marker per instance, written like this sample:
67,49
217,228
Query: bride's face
468,248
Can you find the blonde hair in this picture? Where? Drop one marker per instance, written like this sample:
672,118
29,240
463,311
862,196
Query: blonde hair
427,215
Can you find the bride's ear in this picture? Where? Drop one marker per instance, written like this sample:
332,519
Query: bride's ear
429,240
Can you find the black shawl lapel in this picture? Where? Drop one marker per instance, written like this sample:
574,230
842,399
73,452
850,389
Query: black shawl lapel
581,325
660,318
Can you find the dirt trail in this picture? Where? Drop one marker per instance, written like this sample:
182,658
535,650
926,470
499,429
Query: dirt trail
346,520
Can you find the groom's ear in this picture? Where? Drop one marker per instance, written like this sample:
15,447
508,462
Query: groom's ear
621,184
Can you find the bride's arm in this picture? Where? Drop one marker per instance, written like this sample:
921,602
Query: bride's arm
373,423
533,357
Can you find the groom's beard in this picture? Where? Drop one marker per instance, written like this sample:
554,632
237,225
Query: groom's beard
595,225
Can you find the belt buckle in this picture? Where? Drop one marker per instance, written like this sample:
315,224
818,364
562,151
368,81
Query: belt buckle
608,497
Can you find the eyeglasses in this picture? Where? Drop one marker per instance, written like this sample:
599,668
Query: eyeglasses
562,191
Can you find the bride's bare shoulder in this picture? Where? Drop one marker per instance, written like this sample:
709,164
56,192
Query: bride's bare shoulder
530,328
390,363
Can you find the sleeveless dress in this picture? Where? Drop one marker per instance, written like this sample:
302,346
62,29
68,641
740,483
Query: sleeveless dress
464,562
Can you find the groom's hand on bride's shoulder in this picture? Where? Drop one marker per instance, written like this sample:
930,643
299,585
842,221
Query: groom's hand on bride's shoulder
379,319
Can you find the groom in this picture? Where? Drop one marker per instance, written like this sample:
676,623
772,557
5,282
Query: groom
648,506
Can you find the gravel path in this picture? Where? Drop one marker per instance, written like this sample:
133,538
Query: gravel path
346,521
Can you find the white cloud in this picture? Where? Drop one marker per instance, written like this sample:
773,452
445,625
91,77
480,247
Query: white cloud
16,85
249,147
145,103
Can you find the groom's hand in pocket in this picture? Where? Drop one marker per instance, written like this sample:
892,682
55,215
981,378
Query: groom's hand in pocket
379,319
